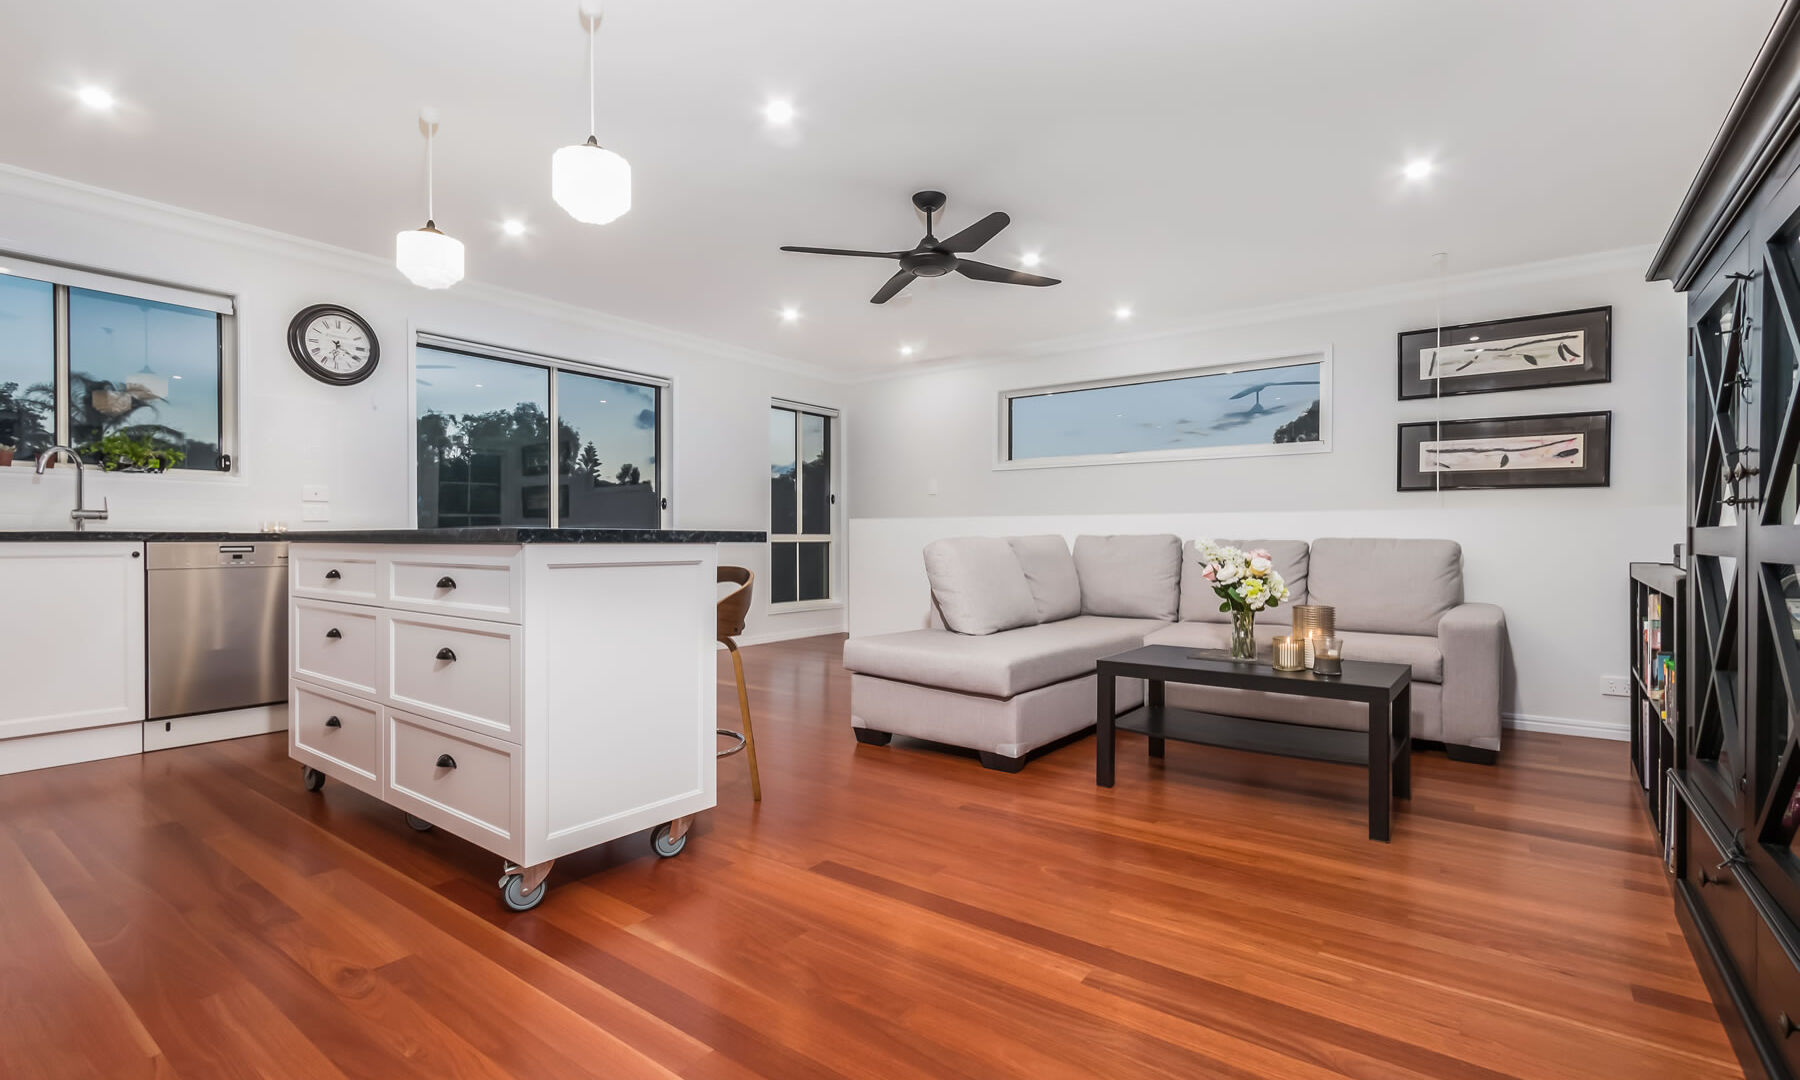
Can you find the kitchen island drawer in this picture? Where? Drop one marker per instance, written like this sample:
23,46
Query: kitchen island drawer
460,671
465,782
469,585
337,644
333,575
340,729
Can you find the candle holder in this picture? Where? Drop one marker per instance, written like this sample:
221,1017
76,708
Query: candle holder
1311,622
1290,654
1328,656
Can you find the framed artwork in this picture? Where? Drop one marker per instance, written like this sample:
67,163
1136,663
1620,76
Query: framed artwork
1553,450
1561,349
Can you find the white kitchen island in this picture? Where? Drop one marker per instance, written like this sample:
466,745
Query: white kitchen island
533,691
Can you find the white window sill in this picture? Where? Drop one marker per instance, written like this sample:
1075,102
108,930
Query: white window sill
798,606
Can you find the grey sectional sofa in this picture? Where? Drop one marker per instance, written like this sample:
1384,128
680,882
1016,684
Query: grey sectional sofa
1006,666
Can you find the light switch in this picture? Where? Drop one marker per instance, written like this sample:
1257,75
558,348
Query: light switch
314,493
315,511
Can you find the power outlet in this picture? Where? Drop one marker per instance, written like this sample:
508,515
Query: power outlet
315,511
1615,685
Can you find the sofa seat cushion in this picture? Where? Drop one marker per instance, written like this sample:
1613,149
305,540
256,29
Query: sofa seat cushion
1200,604
1421,653
1131,577
1386,586
997,665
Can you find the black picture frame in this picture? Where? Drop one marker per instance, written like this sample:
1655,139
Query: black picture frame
1596,367
1595,470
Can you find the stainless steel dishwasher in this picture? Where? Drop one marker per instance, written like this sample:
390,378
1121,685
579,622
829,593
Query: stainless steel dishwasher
218,626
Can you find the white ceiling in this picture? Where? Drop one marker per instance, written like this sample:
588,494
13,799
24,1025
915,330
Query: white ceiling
1181,156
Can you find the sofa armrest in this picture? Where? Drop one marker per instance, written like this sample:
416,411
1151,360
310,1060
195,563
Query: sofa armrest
1473,638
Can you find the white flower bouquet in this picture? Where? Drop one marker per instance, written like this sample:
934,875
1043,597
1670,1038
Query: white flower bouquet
1246,582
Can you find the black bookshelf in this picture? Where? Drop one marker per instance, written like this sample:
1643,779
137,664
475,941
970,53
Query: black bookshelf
1657,633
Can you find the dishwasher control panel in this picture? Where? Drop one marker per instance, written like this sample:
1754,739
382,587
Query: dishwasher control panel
193,555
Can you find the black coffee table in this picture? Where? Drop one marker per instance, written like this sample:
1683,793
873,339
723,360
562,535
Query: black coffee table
1386,748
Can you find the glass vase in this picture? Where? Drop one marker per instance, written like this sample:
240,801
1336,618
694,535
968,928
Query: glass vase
1243,634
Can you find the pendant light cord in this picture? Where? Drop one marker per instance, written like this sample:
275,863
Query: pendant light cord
593,123
430,180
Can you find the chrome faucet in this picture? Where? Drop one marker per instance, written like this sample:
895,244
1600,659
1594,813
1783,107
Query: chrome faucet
81,514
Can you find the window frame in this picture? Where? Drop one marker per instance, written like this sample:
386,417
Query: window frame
665,438
833,441
1003,460
61,278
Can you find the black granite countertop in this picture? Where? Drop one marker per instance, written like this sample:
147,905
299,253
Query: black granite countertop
482,535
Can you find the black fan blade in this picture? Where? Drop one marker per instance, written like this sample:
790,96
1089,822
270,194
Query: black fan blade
978,234
984,272
845,251
894,284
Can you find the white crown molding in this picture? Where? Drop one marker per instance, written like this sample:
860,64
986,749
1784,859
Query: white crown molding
1632,258
27,184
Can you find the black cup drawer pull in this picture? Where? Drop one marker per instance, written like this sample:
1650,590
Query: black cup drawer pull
333,721
446,582
332,575
1787,1025
445,653
1707,879
334,633
445,761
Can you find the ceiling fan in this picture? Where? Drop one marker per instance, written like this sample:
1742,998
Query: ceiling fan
932,257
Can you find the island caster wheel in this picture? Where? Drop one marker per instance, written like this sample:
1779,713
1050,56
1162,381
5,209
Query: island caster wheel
418,824
665,846
514,895
312,778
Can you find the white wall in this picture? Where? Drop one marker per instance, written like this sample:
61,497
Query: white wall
294,430
1554,559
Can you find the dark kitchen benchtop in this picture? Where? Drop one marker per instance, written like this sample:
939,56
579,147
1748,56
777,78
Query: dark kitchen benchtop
484,535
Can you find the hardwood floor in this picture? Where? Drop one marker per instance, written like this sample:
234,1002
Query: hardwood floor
885,912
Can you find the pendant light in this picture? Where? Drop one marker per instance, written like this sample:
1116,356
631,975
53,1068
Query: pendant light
589,181
426,256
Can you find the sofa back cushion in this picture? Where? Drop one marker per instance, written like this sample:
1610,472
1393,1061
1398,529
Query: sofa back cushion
1386,586
1200,604
1133,577
1050,572
978,586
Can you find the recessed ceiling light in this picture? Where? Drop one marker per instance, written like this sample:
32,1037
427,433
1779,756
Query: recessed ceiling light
1122,312
779,111
906,350
512,226
790,314
96,97
1029,258
1417,170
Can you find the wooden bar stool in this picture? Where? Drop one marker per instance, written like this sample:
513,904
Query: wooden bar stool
733,607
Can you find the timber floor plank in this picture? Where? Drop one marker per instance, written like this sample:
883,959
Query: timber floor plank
885,912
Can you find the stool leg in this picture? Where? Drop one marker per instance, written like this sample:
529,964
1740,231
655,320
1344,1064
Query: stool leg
737,666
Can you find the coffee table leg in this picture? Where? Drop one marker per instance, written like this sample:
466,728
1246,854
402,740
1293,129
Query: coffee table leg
1403,743
1104,711
1380,755
1154,698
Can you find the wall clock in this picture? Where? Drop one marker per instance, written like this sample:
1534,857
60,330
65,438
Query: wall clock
333,344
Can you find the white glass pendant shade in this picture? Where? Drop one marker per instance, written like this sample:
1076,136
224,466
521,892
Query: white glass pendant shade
591,182
428,258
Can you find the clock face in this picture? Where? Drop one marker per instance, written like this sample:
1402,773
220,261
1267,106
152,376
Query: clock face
333,344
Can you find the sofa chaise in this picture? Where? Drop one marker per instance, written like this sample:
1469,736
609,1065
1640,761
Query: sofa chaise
1006,664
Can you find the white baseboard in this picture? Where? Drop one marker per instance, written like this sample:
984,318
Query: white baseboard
770,636
1561,725
212,727
51,749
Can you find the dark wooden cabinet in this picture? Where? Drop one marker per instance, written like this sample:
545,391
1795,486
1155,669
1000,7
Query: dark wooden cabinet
1734,249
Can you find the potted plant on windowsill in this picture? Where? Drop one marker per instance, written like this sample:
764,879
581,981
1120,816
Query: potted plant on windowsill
125,453
6,455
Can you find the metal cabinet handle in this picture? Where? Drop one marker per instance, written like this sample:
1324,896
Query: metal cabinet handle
445,761
332,575
333,722
446,582
1787,1025
445,653
334,633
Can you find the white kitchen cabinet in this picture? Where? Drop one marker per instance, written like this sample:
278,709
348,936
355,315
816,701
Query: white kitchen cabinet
533,699
72,670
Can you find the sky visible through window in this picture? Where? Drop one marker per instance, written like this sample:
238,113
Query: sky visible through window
1230,408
